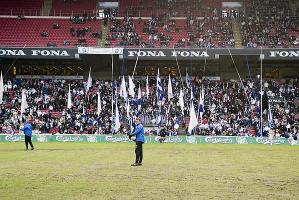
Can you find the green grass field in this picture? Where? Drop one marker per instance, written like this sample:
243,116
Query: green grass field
170,171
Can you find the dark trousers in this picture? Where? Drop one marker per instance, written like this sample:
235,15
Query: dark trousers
28,140
138,152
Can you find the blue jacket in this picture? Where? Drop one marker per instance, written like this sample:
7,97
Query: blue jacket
139,133
27,129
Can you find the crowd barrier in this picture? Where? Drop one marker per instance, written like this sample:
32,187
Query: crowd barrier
149,139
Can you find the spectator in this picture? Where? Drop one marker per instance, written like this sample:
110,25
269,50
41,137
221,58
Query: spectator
56,26
44,34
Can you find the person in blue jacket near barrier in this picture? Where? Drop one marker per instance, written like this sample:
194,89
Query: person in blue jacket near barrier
139,134
27,129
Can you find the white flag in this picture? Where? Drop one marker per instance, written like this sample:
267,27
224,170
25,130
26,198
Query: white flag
193,119
69,99
169,89
131,87
117,121
128,107
89,81
99,110
83,111
24,104
191,95
187,80
123,89
181,100
147,87
1,89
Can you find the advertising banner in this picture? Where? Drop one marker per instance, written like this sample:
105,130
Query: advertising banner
202,54
101,51
149,139
39,53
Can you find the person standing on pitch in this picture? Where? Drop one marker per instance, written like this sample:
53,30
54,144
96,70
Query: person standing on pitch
139,134
27,129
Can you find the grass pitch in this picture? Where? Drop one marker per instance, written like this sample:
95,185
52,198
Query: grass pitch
170,171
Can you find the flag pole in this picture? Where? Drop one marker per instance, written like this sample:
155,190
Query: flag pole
136,63
159,102
112,100
261,102
99,109
1,88
204,67
233,60
177,63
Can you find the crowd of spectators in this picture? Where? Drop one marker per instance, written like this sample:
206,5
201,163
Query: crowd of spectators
172,8
231,108
271,24
124,31
209,32
80,32
46,100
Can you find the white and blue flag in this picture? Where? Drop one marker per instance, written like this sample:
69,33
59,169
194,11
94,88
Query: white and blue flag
160,91
201,107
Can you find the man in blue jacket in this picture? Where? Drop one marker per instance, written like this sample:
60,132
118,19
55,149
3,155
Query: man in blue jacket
139,134
28,133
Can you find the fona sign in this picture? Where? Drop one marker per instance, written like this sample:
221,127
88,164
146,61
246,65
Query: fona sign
34,52
284,54
144,53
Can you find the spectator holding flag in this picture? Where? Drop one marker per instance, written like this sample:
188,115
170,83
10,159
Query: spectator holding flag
139,134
